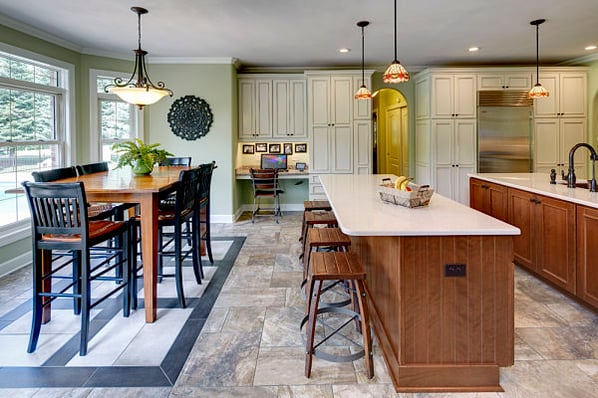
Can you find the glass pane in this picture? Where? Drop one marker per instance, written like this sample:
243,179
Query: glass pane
22,71
5,133
16,165
46,76
4,67
44,117
22,117
103,82
115,119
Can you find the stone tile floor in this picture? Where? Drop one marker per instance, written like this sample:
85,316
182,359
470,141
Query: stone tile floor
251,347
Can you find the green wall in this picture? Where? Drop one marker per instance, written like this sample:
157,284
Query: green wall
214,84
593,104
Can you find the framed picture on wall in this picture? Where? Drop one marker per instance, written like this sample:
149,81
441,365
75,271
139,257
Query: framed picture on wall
248,149
274,148
261,147
288,148
300,148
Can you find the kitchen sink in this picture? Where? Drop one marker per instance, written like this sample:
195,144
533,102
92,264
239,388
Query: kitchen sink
584,184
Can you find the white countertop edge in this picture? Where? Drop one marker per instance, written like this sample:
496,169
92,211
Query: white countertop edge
539,183
483,225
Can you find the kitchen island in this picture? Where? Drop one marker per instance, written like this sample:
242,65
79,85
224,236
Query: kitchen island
440,284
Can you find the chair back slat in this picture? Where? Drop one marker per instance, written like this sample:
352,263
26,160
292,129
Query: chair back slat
187,190
57,208
91,168
264,180
54,174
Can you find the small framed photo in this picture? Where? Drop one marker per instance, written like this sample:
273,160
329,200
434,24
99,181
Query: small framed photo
288,148
261,147
274,148
300,148
248,149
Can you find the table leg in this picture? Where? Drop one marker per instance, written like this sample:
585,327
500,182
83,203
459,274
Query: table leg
149,249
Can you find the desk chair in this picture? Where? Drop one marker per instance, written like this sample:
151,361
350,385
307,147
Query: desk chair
265,185
60,221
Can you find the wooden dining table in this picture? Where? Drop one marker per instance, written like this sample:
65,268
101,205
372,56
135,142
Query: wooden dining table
122,186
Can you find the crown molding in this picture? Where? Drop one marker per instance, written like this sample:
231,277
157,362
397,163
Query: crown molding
586,59
40,34
193,60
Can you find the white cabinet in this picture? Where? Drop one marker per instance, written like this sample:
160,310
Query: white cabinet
289,105
553,138
454,157
255,108
272,107
453,95
511,80
568,95
339,127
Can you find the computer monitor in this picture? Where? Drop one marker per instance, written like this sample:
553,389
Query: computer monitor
274,161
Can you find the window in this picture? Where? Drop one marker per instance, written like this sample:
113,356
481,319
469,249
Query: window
113,120
33,125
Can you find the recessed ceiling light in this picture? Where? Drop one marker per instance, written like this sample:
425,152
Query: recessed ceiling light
588,48
344,50
473,49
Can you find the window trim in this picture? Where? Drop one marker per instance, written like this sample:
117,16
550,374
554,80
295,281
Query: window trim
66,120
94,113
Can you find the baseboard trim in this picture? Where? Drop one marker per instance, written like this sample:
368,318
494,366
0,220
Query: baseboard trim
14,264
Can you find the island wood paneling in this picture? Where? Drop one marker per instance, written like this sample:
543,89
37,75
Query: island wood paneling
587,260
441,333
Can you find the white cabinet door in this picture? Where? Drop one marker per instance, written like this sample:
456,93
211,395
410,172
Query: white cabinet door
454,148
320,148
505,81
288,97
547,146
553,139
568,95
572,94
342,100
573,131
465,99
453,96
263,108
362,142
422,99
246,109
281,96
342,149
297,114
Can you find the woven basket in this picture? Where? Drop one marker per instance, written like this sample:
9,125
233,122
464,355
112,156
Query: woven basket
417,197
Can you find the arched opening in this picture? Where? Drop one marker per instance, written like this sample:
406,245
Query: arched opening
391,133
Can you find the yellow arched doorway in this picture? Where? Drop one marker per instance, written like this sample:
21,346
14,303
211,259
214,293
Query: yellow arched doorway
391,133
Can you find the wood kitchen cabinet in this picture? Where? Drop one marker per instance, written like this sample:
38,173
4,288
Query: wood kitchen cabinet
547,241
445,95
289,108
255,108
587,259
489,198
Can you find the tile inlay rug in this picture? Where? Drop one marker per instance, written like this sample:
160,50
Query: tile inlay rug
123,352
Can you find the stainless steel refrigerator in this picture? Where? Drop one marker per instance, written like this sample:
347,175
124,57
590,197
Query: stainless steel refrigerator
504,132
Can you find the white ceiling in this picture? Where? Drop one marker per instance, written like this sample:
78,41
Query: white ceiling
308,33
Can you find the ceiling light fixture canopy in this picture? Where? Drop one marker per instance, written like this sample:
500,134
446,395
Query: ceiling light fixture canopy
395,73
538,91
363,93
139,89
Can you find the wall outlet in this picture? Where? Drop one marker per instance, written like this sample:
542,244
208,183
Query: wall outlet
454,270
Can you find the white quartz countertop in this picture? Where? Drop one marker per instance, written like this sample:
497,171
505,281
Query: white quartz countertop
360,212
540,183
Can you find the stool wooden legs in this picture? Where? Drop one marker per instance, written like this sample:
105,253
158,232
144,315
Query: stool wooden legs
365,327
314,288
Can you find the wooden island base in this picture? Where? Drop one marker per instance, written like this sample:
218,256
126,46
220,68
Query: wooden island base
439,332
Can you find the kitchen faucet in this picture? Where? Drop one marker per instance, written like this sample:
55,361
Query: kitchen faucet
571,176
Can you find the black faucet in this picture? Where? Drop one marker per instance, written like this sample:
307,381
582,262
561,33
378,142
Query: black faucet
571,176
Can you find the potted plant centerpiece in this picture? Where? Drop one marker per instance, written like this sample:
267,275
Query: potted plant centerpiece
140,156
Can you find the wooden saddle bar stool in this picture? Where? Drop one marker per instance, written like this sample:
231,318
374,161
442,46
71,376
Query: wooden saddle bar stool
327,266
313,219
324,239
313,205
265,185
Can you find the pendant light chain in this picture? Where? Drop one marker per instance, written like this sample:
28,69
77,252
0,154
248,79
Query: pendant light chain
363,93
396,34
538,91
362,56
395,73
537,54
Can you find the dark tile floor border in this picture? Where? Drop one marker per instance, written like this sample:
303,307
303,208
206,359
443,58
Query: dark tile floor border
54,374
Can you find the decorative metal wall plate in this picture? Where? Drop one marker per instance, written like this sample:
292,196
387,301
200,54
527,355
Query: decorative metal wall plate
190,117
